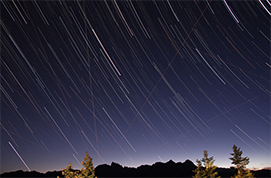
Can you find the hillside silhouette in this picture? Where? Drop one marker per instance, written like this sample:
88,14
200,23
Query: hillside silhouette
158,169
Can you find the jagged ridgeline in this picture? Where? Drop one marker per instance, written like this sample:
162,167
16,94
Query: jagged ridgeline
158,169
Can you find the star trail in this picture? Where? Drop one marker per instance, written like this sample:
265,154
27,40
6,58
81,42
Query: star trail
134,82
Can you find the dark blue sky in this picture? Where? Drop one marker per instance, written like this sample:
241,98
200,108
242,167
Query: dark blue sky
134,82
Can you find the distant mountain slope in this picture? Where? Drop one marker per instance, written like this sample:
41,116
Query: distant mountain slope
20,173
158,169
169,169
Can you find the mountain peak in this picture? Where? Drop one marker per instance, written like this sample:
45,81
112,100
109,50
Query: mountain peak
170,162
188,162
113,164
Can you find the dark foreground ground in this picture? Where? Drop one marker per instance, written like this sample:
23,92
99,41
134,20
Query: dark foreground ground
169,169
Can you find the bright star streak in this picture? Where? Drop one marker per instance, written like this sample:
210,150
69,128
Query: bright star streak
19,156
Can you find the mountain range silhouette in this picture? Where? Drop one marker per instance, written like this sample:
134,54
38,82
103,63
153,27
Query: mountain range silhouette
158,169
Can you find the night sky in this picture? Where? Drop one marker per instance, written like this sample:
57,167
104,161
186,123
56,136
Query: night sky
134,82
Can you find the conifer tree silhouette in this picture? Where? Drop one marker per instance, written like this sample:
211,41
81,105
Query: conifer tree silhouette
87,171
240,163
208,172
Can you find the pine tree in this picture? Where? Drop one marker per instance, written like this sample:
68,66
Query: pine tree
199,170
69,172
87,171
240,163
208,172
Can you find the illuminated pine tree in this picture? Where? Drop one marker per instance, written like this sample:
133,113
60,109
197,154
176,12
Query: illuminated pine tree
208,172
69,172
240,163
87,171
88,168
198,170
